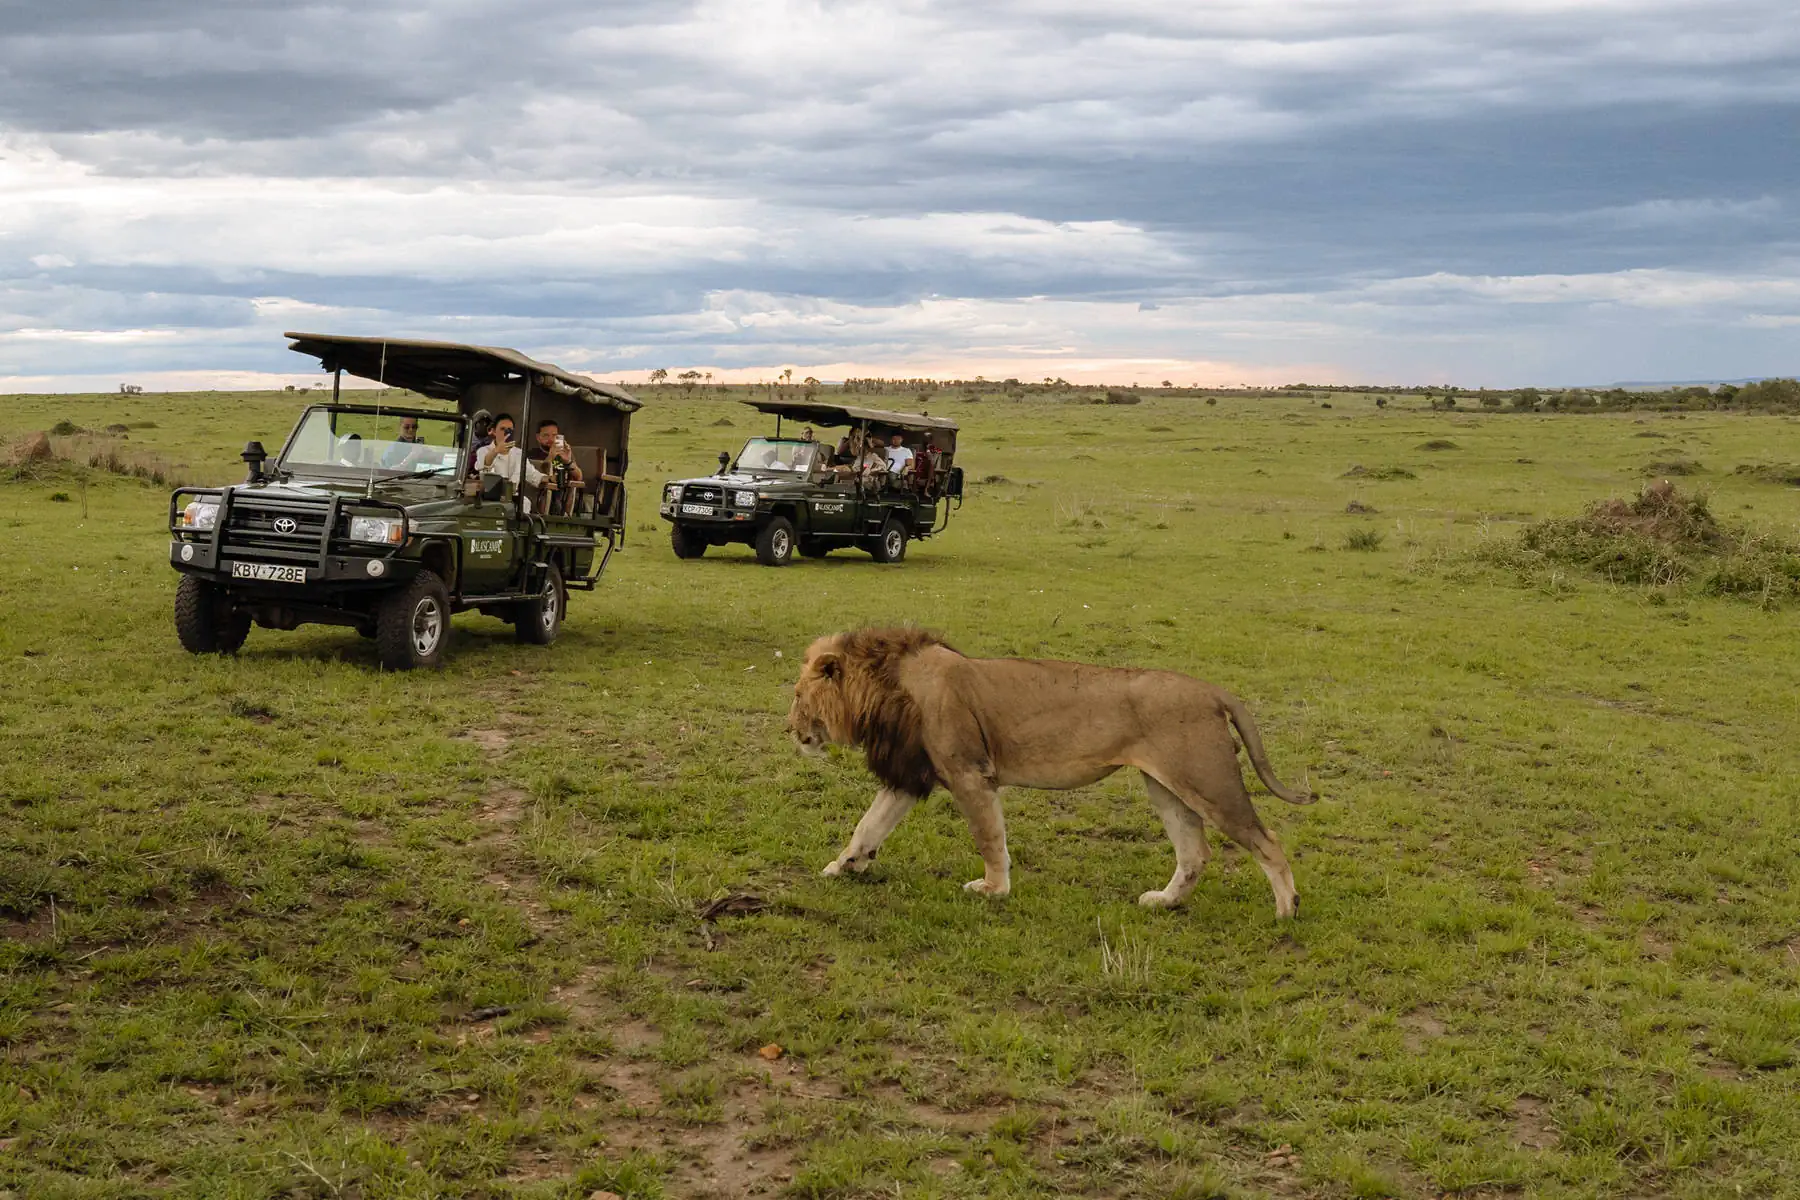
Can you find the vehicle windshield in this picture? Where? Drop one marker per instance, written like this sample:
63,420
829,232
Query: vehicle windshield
790,455
387,444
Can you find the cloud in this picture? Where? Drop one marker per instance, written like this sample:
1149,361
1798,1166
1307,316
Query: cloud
1386,186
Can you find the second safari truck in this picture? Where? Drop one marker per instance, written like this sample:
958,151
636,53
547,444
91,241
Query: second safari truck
786,493
376,516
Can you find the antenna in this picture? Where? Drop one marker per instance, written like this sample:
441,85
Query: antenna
381,378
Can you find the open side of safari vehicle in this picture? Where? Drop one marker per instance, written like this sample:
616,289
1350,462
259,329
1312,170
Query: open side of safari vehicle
784,493
375,516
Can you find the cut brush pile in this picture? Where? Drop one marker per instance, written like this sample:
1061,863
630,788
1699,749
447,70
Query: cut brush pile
1661,538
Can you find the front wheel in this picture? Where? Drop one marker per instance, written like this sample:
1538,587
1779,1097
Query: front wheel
890,547
687,543
412,626
539,619
775,543
204,619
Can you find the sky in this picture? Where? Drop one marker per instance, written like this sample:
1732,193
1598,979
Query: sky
1490,193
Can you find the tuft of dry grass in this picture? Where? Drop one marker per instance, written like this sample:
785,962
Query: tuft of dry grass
40,454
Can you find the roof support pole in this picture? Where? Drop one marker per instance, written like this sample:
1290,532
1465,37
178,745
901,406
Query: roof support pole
519,441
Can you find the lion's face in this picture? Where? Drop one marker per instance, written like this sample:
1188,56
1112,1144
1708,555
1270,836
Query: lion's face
819,715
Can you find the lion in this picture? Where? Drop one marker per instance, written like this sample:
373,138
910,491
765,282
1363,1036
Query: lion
924,715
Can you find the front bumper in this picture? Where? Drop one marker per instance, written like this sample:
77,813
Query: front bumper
336,571
713,514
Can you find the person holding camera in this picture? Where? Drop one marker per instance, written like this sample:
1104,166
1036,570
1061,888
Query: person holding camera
503,457
556,460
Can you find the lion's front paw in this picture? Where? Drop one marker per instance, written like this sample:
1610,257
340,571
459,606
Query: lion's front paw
981,887
1157,899
834,867
851,862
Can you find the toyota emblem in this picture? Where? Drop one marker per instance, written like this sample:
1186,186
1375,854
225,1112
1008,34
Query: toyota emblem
286,524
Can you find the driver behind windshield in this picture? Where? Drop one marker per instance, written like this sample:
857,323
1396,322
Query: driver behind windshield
405,449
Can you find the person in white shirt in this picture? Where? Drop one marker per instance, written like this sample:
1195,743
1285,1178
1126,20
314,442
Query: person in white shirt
503,457
899,456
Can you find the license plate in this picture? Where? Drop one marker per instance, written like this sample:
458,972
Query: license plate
268,573
697,510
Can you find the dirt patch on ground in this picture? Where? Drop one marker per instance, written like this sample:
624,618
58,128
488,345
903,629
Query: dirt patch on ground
1419,1028
492,740
1531,1124
503,809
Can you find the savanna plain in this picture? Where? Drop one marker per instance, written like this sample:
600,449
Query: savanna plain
549,922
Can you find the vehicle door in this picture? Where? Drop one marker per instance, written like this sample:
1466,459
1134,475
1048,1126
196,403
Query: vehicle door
832,504
490,535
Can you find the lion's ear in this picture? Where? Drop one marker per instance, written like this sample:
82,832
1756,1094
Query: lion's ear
829,666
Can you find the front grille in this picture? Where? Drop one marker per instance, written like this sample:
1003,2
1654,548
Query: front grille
251,531
702,494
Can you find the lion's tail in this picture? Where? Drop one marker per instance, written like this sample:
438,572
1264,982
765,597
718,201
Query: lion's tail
1240,717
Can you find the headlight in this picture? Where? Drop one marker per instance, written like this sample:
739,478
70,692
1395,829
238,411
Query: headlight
200,514
671,493
744,499
385,530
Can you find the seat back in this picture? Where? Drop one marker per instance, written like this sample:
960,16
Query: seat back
602,489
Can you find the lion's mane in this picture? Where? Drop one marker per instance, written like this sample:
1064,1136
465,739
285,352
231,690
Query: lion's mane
882,718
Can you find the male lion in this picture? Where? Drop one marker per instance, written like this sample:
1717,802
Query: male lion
924,715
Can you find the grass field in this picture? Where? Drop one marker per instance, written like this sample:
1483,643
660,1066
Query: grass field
284,925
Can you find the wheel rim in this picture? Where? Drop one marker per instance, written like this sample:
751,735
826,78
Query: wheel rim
549,613
778,544
895,541
427,627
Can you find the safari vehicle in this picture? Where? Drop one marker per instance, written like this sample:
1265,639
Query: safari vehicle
784,493
374,515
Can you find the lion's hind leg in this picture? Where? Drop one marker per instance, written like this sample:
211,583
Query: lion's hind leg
1192,851
1218,794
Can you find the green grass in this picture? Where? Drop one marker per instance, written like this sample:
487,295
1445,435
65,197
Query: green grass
1551,931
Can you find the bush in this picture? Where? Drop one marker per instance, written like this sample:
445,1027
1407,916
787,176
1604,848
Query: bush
1363,539
1783,473
65,428
1660,538
1439,444
1674,466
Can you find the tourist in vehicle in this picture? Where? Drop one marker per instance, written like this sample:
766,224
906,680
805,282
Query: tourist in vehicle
553,457
899,455
871,464
806,435
503,457
404,452
481,434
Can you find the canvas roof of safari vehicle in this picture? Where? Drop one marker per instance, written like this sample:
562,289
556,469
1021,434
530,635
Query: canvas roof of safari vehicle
447,370
819,413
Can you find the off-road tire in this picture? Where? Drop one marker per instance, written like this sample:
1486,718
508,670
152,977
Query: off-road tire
412,625
687,543
890,545
204,620
775,543
814,548
537,621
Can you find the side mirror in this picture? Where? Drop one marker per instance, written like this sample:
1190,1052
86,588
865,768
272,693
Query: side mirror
493,487
954,485
724,461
